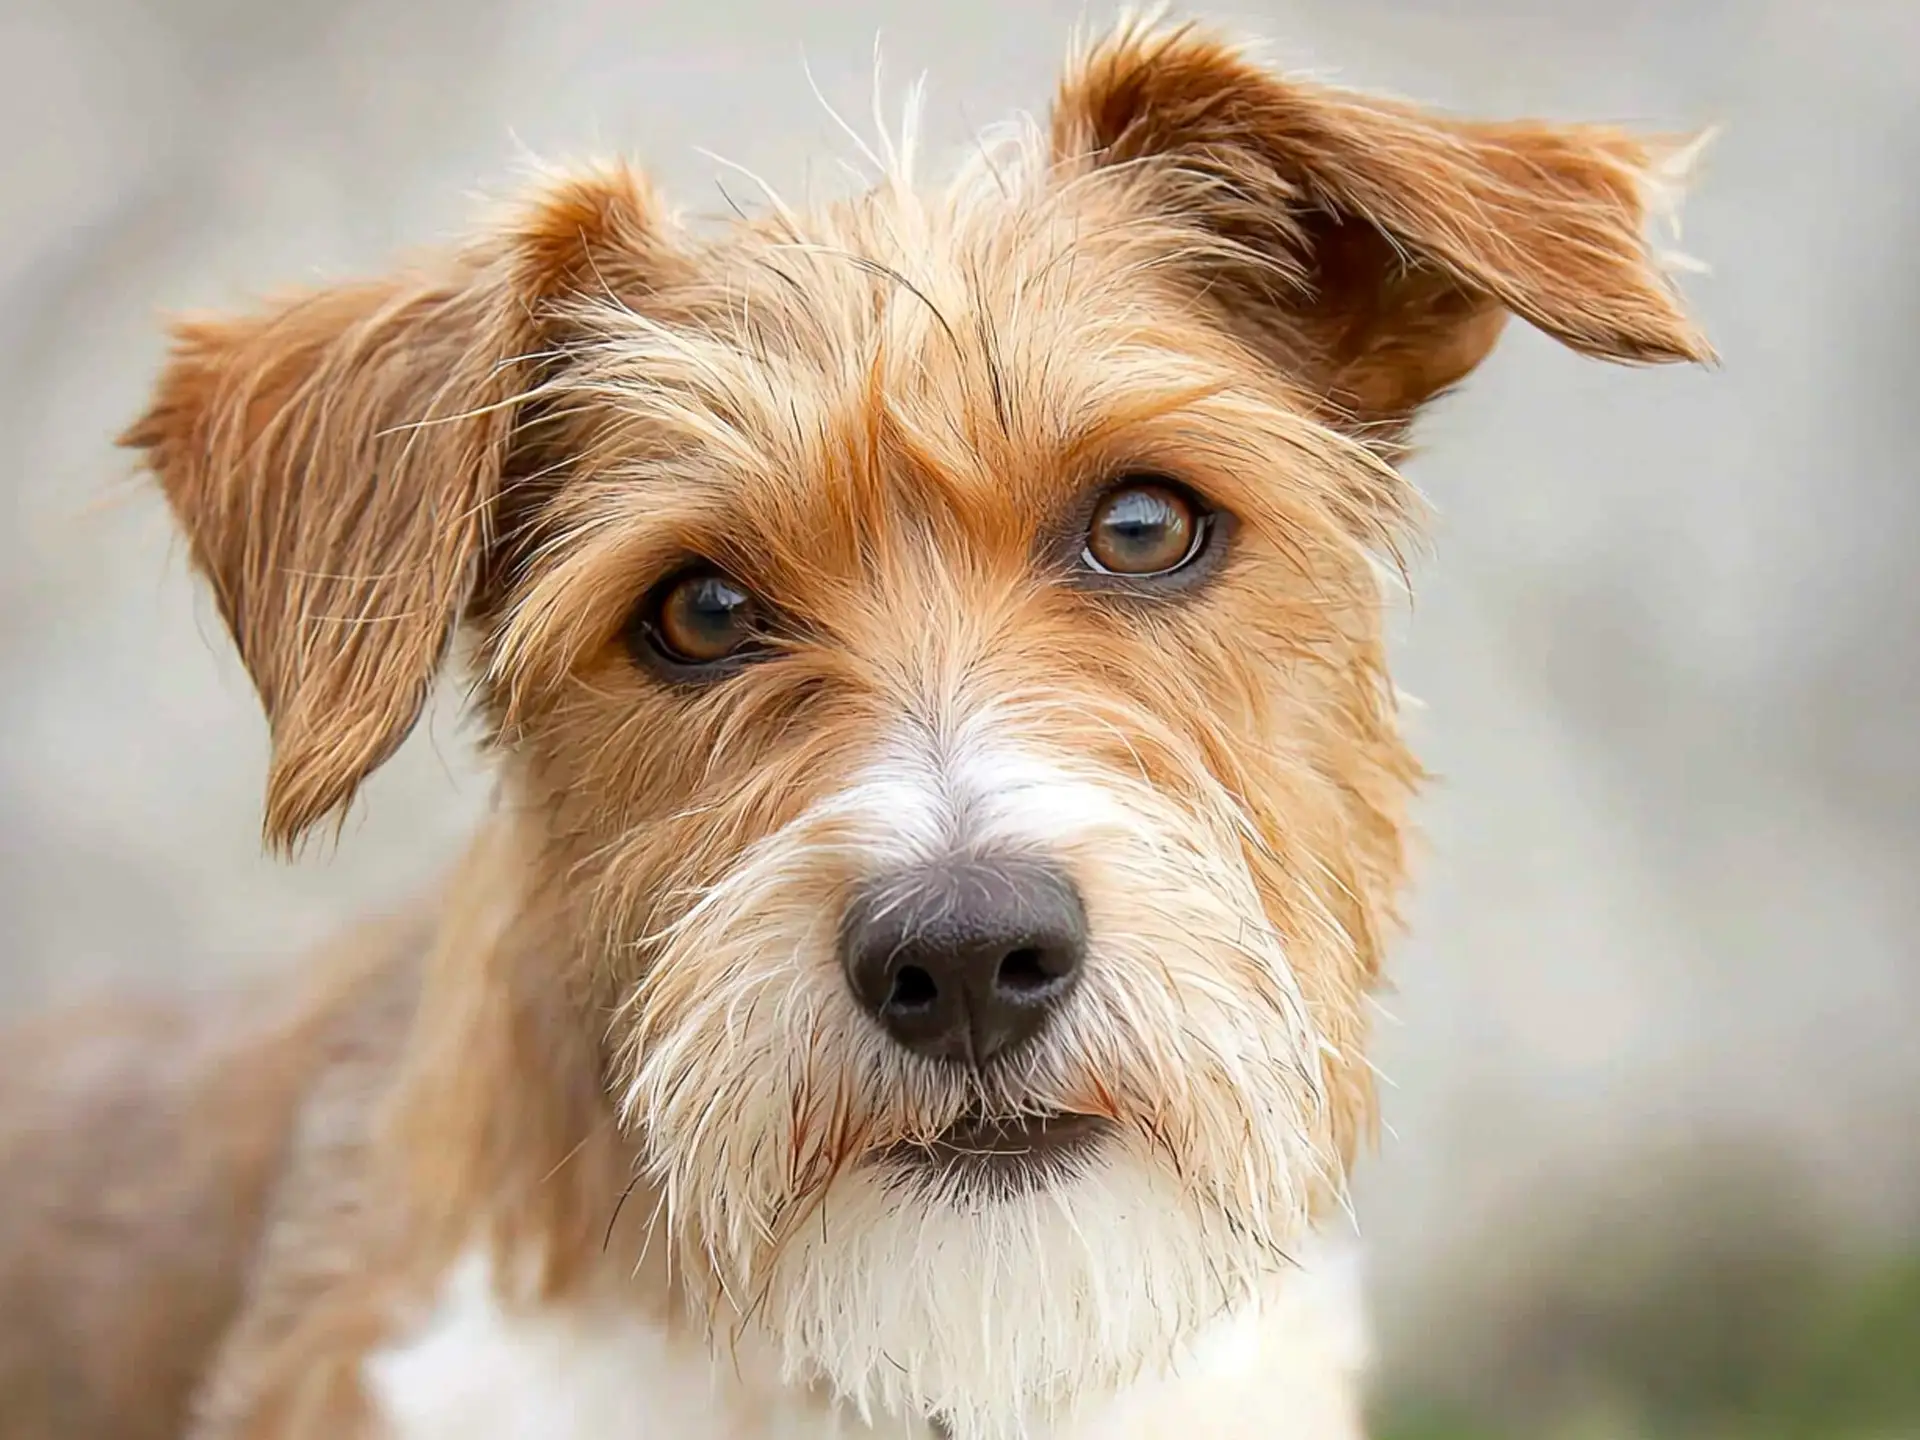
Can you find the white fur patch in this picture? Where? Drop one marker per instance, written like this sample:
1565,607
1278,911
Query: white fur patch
1291,1368
930,795
481,1369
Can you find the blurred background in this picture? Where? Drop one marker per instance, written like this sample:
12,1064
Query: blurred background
1654,1161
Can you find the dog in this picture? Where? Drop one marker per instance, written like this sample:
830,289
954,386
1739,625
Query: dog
914,980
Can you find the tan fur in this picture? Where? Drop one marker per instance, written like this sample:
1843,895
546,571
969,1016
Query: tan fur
141,1145
885,416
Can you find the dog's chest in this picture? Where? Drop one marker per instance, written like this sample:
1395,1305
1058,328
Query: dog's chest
477,1370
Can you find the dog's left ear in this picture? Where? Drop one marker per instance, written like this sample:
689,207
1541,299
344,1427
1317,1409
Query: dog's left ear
337,461
1374,248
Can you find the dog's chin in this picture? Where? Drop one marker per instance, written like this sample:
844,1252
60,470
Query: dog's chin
986,1158
1002,1275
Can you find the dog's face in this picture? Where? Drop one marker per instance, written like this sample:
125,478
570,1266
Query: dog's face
935,648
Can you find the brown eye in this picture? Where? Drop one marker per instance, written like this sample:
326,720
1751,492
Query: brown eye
701,617
1145,527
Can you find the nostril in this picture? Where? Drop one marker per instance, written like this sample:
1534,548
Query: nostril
1025,973
913,989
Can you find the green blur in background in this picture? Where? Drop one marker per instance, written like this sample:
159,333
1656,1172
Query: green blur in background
1704,1307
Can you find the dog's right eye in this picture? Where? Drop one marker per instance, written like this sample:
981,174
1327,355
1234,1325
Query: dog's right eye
699,619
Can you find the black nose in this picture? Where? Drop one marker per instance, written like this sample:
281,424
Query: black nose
964,960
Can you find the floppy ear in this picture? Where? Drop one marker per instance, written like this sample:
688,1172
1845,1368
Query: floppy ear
1373,248
336,462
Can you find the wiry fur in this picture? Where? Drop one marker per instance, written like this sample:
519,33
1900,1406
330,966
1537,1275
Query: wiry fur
631,1067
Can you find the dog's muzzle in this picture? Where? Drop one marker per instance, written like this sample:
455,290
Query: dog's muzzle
965,962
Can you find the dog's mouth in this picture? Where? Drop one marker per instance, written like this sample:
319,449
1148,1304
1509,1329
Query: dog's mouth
1009,1154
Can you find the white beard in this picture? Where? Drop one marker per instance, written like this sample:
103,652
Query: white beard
997,1316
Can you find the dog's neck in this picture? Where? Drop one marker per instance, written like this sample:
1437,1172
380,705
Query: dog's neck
499,1122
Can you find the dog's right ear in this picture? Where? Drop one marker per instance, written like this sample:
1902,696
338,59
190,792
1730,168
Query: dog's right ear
337,460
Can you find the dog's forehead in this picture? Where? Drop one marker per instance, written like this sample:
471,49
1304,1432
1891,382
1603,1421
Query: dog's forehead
979,357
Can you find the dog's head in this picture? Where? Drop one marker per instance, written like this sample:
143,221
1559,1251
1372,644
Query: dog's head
934,646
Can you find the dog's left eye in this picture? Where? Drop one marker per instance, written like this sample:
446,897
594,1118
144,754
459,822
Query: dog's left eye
699,618
1145,527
